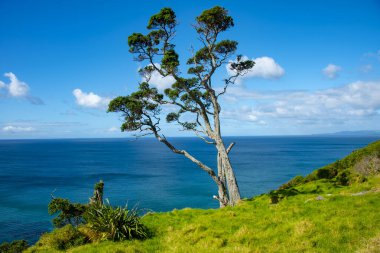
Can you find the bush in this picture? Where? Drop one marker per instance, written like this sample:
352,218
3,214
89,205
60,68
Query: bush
17,246
115,223
343,178
62,238
328,172
277,195
68,213
297,180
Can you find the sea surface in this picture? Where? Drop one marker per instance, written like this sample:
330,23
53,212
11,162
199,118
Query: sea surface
145,172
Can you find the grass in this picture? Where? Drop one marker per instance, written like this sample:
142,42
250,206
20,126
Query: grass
343,221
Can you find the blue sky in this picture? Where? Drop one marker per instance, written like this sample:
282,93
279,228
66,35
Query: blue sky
317,65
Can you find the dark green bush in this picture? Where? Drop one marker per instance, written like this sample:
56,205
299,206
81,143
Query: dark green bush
297,180
63,238
343,178
67,212
115,223
328,172
277,195
17,246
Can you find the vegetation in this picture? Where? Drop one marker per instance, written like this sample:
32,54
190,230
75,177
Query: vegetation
77,224
17,246
115,224
320,215
61,239
195,96
67,212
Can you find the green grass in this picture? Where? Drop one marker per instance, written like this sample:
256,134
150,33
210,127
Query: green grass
341,222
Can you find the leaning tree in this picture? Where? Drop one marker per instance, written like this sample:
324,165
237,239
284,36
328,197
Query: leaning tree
194,95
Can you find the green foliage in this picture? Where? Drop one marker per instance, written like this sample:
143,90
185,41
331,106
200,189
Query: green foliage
67,213
116,223
293,182
170,61
99,186
17,246
139,108
172,117
214,20
62,238
166,17
193,95
277,195
97,197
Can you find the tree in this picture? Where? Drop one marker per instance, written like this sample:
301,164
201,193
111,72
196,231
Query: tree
193,94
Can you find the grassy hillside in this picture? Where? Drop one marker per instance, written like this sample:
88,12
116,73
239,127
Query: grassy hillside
334,209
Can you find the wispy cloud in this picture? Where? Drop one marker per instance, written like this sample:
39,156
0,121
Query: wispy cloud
18,89
357,100
114,129
90,100
375,55
265,67
17,129
366,68
331,71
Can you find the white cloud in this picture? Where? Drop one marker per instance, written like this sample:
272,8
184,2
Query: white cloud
18,89
17,129
90,100
358,100
265,67
160,82
113,129
331,71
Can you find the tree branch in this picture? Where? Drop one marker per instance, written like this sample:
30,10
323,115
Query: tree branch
230,147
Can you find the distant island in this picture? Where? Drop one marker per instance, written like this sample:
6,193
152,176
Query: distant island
352,133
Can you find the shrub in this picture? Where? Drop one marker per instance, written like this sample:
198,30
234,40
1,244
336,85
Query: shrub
297,180
343,178
68,213
17,246
62,238
277,195
328,172
115,223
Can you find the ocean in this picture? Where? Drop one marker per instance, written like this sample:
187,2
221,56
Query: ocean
145,172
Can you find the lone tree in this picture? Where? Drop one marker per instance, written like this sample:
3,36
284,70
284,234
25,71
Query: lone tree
192,94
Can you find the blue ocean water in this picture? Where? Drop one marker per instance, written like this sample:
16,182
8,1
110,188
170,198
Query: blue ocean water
144,172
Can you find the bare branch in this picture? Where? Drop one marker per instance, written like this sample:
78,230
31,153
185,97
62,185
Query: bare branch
230,147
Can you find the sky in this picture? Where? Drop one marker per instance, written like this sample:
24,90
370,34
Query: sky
317,65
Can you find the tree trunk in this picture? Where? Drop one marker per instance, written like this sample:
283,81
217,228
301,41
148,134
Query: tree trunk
222,190
225,169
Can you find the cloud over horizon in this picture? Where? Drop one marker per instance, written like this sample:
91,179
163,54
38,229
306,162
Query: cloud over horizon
357,100
17,129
